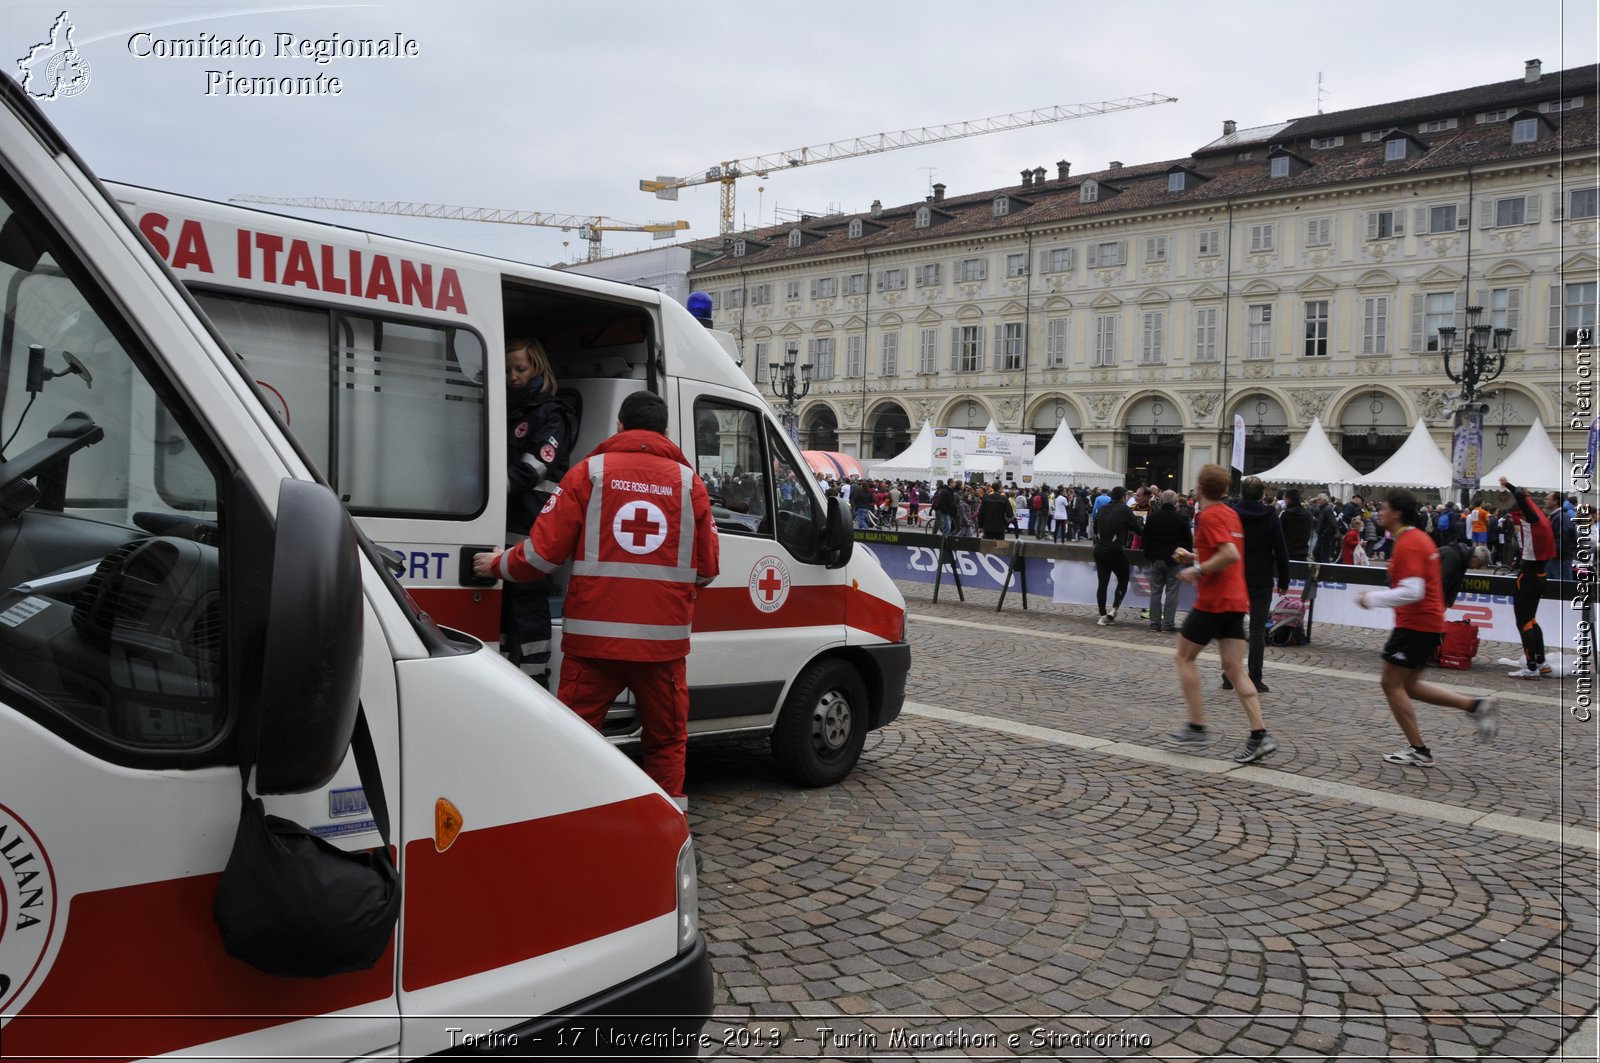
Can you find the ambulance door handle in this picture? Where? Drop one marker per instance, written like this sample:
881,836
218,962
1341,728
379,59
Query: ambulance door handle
465,575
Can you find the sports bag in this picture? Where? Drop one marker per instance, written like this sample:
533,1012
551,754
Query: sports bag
1286,625
292,905
1459,645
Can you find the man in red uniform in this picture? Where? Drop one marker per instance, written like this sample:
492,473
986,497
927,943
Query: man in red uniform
1417,597
1220,604
1538,542
636,522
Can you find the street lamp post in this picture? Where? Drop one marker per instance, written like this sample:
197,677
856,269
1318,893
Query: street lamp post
1482,359
788,390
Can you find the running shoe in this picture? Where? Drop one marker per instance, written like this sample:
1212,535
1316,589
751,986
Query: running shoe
1486,714
1526,673
1254,749
1105,620
1410,757
1188,736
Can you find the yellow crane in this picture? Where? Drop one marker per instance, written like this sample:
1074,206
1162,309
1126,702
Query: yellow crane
726,173
589,226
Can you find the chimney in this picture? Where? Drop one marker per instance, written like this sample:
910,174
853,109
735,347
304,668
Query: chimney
1027,178
1063,168
938,193
1114,165
877,208
1530,72
1038,175
1229,127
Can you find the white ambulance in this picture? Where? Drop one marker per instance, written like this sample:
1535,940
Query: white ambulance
385,359
548,885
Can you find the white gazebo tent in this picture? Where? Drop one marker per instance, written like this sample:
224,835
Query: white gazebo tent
1534,465
1417,464
1063,461
1313,462
988,464
913,463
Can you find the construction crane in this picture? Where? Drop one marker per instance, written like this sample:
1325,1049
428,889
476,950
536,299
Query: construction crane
726,173
589,226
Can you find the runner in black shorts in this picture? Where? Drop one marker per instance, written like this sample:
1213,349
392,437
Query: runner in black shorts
1201,627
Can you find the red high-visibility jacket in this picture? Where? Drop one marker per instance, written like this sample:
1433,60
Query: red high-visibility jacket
636,522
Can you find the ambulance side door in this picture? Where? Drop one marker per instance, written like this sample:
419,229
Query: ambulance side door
773,607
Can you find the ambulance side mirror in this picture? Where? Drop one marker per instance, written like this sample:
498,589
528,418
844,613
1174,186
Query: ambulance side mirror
311,664
838,538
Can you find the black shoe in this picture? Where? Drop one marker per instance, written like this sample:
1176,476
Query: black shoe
1155,625
1227,684
1261,688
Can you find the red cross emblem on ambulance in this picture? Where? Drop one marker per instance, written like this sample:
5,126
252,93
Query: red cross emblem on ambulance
769,584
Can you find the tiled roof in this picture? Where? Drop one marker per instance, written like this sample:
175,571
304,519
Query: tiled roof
1261,134
1142,189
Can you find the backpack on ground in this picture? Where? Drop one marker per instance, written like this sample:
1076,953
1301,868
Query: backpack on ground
1459,645
1286,626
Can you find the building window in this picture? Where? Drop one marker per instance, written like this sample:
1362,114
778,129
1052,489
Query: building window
1505,311
853,347
1323,143
1155,249
1511,211
738,249
1571,103
716,300
1584,203
1056,343
1495,116
1105,340
1105,255
855,284
1017,264
928,276
1210,243
1375,134
761,295
1088,192
1319,232
1384,225
763,350
1261,237
1316,328
1002,206
1438,310
1205,334
1059,260
1395,150
825,287
1280,166
969,349
735,297
892,280
1011,351
1572,308
1442,219
791,290
924,217
794,238
889,355
1261,330
1438,125
1375,325
1153,349
1175,182
1524,131
822,358
928,357
855,228
970,270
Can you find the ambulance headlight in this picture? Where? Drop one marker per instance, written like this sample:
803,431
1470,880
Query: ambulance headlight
688,896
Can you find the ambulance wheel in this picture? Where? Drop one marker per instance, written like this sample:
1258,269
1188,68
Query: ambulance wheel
823,725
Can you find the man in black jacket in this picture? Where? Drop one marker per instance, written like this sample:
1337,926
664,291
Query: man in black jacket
1164,532
1265,554
1114,526
1297,524
994,514
1327,531
1454,560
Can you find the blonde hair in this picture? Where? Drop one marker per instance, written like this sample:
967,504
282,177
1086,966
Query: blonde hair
538,359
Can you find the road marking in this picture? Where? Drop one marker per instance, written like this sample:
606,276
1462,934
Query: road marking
1577,837
1166,651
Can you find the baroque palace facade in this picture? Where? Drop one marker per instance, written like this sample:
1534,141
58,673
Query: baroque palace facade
1284,272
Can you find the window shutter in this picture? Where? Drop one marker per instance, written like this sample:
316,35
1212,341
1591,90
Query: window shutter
1514,313
1419,221
1094,256
1417,343
1486,214
1460,318
920,273
813,289
1122,253
955,349
1553,339
980,362
1530,205
1463,215
1400,223
1372,225
1558,210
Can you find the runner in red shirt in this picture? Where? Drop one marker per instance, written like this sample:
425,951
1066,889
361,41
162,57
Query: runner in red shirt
1220,604
1417,597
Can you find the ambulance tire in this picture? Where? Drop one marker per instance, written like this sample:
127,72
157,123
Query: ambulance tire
823,725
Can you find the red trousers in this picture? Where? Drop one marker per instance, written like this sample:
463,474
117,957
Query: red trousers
661,691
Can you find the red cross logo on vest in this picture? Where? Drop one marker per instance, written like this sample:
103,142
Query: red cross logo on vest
639,527
769,584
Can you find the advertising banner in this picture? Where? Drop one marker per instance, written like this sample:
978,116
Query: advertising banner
1238,441
1467,453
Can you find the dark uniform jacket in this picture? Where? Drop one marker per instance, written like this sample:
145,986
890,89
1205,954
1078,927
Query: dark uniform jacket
1265,551
539,452
1297,523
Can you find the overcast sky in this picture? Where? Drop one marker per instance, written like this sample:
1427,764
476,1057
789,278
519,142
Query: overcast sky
563,106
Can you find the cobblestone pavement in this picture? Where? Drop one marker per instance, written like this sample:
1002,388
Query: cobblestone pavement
1016,868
